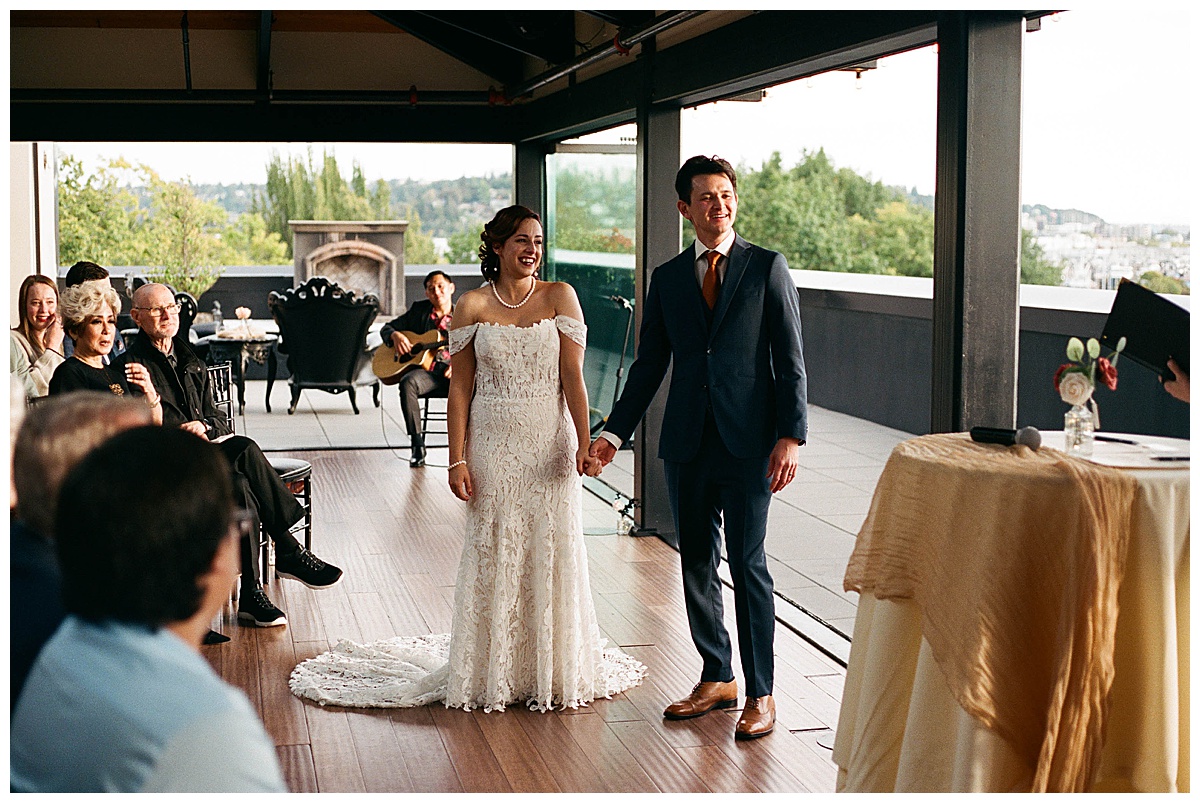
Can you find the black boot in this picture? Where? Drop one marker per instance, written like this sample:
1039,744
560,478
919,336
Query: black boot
418,451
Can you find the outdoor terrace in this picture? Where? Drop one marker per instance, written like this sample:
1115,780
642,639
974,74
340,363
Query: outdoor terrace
396,532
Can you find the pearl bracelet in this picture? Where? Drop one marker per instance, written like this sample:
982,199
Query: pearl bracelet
456,463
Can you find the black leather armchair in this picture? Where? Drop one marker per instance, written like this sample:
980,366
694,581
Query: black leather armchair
323,332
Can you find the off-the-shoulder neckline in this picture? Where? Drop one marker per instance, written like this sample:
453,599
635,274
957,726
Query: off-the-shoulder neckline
530,326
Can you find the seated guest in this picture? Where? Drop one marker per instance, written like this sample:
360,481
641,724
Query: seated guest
36,345
422,317
89,314
52,439
187,403
120,699
82,272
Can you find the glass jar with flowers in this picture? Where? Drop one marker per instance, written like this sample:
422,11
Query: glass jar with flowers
1075,382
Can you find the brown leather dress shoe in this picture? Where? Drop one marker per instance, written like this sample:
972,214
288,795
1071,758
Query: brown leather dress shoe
758,718
707,695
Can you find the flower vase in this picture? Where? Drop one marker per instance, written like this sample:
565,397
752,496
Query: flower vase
1079,428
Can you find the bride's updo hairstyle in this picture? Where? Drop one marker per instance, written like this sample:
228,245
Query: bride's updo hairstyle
496,232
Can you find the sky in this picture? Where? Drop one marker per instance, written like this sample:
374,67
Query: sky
1107,96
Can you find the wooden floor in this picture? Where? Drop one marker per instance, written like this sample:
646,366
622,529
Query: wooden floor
396,533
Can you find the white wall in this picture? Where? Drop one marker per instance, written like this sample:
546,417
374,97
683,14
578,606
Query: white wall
22,251
30,185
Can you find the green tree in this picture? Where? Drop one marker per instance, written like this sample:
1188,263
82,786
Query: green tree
1160,283
381,201
418,246
98,221
182,236
246,241
594,210
799,212
1035,267
464,245
901,240
296,190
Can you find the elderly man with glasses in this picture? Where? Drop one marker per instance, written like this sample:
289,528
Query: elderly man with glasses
182,380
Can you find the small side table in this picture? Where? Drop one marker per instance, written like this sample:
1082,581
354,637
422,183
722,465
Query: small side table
237,350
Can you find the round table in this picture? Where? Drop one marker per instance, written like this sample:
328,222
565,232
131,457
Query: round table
235,347
902,727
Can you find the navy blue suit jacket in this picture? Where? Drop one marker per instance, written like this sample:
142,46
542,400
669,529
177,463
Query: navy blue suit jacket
748,363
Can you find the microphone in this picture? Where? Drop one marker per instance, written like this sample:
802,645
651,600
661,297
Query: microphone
621,301
1026,436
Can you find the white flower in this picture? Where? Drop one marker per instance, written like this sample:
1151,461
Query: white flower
1074,388
242,313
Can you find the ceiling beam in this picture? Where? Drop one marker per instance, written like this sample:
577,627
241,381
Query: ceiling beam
274,122
497,62
263,61
622,19
773,47
545,35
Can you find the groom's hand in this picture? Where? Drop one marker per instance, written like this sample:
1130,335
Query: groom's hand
603,450
785,459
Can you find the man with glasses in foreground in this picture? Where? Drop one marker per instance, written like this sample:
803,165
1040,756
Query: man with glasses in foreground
182,379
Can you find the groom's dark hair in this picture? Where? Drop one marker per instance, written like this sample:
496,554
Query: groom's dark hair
701,166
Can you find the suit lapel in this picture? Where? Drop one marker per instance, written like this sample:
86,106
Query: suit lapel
690,297
739,256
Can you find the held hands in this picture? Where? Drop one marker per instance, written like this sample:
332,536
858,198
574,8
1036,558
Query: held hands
586,464
785,458
603,451
460,482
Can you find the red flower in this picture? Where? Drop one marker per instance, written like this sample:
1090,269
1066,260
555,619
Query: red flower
1106,373
1059,372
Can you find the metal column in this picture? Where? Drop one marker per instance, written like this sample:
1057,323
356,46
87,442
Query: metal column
658,229
529,176
977,239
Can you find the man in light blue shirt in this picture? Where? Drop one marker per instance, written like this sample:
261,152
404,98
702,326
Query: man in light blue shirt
120,699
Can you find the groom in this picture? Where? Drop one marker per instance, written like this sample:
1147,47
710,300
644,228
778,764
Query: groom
726,314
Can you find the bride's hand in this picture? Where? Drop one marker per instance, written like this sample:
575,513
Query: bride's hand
460,482
585,464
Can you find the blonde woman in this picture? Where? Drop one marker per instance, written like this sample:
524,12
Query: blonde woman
36,345
89,313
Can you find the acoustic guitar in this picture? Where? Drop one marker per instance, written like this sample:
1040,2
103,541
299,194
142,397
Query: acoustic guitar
390,367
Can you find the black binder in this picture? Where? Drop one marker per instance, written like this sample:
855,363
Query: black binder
1154,328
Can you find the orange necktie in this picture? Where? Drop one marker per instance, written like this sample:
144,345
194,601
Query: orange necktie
712,283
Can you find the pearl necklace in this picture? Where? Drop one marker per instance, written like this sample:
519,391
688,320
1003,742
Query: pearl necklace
520,303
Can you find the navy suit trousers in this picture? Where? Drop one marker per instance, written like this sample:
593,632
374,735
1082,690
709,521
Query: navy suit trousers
712,486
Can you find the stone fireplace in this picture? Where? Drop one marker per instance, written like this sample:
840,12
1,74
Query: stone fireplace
363,256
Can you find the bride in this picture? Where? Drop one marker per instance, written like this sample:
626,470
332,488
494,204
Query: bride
524,626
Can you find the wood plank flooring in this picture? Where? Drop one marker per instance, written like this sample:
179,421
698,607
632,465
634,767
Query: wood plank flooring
396,533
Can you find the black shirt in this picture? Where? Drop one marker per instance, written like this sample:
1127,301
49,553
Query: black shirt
74,374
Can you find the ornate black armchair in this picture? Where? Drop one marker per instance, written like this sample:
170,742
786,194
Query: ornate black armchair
323,332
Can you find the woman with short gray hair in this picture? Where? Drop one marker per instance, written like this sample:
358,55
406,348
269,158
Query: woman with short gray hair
89,312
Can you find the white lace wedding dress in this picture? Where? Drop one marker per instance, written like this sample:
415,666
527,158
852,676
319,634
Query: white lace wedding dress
524,626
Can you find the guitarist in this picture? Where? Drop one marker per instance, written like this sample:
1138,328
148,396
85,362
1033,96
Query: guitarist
423,316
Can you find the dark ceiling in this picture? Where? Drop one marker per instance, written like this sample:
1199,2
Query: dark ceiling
468,76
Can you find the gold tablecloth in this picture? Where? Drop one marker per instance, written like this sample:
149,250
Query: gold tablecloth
984,653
